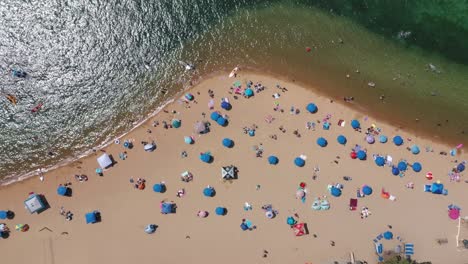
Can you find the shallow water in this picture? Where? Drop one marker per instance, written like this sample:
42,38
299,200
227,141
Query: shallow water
99,66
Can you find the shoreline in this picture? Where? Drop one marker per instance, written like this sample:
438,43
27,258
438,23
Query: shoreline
360,109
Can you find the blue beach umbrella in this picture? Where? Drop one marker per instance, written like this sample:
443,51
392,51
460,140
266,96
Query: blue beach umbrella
244,227
291,221
335,191
380,161
248,92
460,167
299,162
228,143
159,188
188,140
209,192
367,190
397,140
355,124
395,171
226,106
176,123
3,214
383,139
214,116
417,167
222,121
402,165
388,235
322,142
221,211
312,108
273,160
62,190
205,157
361,154
415,149
341,139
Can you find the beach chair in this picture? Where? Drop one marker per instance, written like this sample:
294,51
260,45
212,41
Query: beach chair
353,204
409,249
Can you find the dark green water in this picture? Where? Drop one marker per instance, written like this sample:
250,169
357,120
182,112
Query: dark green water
100,66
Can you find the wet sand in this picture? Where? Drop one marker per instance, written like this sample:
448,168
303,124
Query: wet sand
417,217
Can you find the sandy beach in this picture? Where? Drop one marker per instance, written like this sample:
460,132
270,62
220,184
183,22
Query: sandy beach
414,216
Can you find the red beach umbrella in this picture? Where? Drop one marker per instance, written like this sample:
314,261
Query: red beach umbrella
302,185
353,155
429,175
308,49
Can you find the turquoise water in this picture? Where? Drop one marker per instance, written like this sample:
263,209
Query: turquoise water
99,67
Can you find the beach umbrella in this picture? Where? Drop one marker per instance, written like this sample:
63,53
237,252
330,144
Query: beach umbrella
150,229
395,171
3,214
159,188
383,139
270,214
291,221
335,191
397,140
300,194
417,167
388,235
176,123
380,161
209,192
402,165
214,116
454,213
202,214
299,162
367,190
221,211
341,139
248,92
228,143
149,147
62,190
370,139
353,155
273,160
189,96
222,121
415,149
199,127
244,227
361,154
188,140
429,175
460,167
99,171
322,142
355,124
251,132
237,84
312,108
225,105
205,157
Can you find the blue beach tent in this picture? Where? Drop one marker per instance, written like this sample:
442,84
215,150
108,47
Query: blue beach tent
205,157
168,208
248,92
221,211
93,217
397,140
3,214
226,106
63,191
341,139
159,188
222,121
299,162
312,108
228,143
209,192
273,160
322,142
355,124
214,116
380,161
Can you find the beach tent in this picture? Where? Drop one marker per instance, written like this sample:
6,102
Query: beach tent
355,124
437,188
397,140
454,213
63,191
200,127
150,229
205,157
388,235
222,121
189,96
228,143
402,165
341,139
291,221
322,142
367,190
361,154
380,161
335,191
299,229
383,139
370,139
176,123
312,108
104,161
244,227
214,116
417,167
461,167
35,203
209,192
248,92
226,105
273,160
149,147
415,149
299,162
220,210
3,214
228,172
395,171
326,125
168,208
159,188
93,217
188,140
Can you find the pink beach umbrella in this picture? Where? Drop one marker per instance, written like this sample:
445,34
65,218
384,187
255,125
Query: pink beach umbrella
454,214
300,194
370,139
211,104
202,214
